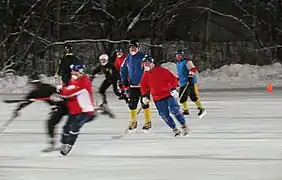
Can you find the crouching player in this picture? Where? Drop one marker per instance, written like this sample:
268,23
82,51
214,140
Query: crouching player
80,103
161,83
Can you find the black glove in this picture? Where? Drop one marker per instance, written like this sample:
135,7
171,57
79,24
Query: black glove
125,83
190,79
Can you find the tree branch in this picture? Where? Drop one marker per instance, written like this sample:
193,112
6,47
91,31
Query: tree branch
137,17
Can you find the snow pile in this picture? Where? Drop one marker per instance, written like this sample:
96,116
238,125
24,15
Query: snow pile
237,76
228,76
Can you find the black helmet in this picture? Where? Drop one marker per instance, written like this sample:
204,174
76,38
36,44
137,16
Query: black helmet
119,49
179,51
68,48
134,43
148,58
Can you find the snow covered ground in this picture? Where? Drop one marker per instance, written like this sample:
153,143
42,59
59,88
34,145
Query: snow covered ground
231,76
239,139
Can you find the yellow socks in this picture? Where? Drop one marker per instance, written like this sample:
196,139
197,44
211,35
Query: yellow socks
198,104
185,106
133,115
147,115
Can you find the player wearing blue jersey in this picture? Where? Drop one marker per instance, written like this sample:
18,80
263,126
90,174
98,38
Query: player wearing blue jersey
188,83
130,74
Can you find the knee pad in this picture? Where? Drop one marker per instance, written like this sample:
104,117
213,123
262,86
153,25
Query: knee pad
133,103
145,106
193,97
184,98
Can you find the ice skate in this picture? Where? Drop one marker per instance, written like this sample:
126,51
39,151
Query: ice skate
186,112
147,127
50,148
65,149
132,126
185,130
202,112
176,132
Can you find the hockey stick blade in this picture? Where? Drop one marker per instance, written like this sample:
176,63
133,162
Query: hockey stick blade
121,135
22,100
106,111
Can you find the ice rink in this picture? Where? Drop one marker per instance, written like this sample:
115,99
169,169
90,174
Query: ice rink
239,139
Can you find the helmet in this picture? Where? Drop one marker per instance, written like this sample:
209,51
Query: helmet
179,51
77,67
148,63
134,43
68,48
148,58
104,59
119,49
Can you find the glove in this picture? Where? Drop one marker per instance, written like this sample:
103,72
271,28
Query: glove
174,94
190,79
56,98
145,100
59,87
126,83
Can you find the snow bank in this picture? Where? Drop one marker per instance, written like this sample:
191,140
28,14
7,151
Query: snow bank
228,76
237,76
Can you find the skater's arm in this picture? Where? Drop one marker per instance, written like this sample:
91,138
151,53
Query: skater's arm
191,67
172,79
72,90
124,72
144,86
96,70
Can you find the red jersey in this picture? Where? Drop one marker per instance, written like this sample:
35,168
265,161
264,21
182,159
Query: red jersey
119,61
159,82
80,95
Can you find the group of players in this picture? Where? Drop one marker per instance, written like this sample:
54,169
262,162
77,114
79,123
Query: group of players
135,78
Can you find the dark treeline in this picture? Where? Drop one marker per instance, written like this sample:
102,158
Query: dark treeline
216,32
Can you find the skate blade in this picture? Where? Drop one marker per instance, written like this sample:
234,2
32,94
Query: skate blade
203,114
51,149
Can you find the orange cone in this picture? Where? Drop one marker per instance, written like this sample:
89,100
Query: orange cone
269,87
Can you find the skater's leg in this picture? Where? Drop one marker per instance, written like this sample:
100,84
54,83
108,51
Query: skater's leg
147,114
132,105
175,110
162,107
183,99
66,129
194,96
78,121
54,119
102,91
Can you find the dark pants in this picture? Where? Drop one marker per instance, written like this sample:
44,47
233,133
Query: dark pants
169,105
104,86
189,92
56,116
73,125
134,97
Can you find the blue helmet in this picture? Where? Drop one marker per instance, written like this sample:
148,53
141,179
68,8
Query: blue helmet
77,67
148,58
179,51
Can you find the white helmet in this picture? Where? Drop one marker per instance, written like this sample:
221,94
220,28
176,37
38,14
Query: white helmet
104,59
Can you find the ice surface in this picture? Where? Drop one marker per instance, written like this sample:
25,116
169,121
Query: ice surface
228,76
239,139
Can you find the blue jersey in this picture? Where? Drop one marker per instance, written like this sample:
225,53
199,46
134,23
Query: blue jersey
183,72
131,69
